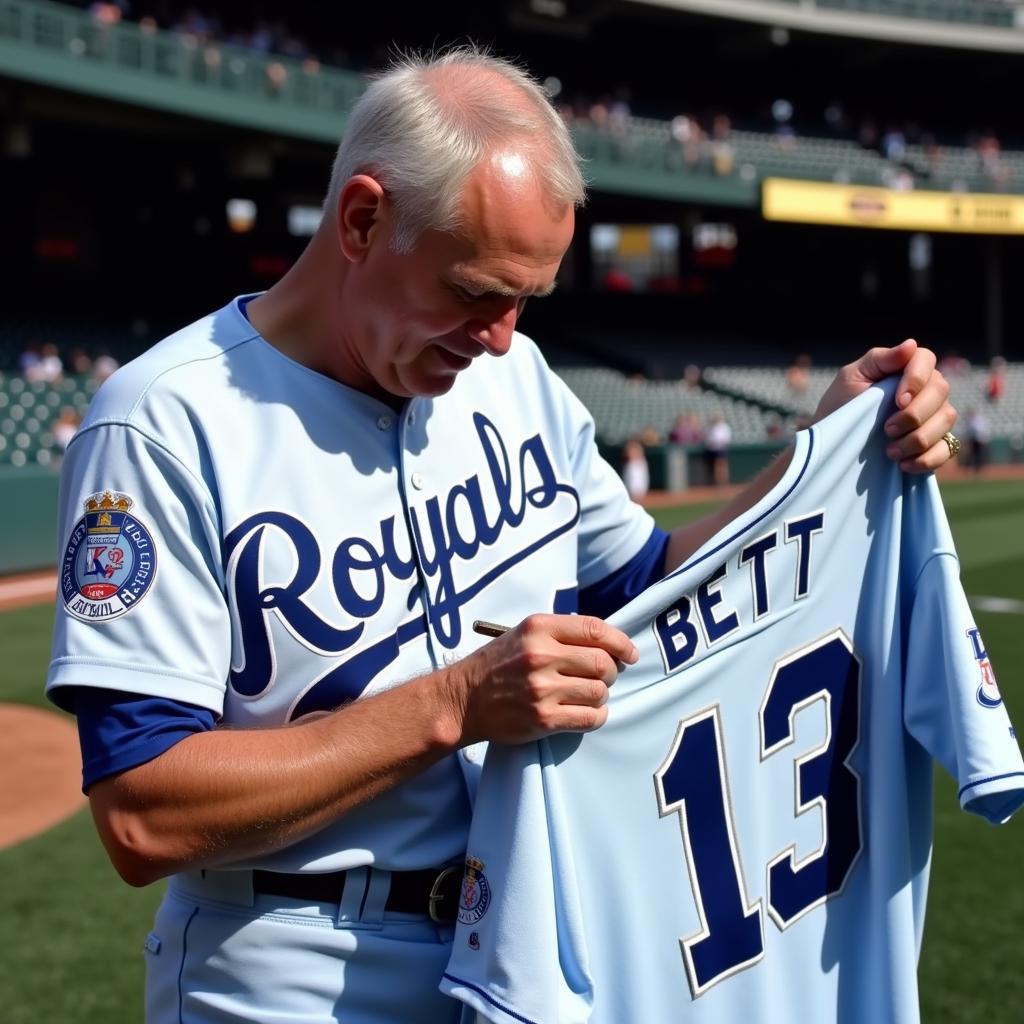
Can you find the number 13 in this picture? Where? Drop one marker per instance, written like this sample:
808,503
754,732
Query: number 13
693,782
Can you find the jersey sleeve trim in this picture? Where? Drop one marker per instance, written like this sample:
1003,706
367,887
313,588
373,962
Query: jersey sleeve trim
991,778
119,731
618,588
66,674
451,982
994,798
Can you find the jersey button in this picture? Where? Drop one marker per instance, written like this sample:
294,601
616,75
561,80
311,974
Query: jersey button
417,481
449,657
384,423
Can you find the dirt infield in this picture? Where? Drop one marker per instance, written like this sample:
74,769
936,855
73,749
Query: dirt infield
42,772
22,591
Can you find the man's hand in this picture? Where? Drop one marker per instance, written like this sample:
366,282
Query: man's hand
923,411
549,674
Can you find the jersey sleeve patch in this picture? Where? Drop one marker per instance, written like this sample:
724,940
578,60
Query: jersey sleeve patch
109,561
476,895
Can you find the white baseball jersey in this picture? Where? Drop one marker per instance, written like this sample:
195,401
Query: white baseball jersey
748,838
248,536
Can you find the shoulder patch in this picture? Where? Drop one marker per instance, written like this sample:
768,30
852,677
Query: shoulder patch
109,562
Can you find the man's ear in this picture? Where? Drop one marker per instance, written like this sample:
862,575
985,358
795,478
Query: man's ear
361,216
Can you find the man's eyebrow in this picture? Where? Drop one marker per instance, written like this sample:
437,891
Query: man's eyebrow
488,286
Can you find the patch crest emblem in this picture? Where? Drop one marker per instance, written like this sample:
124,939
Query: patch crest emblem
476,893
988,692
109,562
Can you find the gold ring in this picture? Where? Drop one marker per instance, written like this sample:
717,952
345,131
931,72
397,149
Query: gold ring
952,442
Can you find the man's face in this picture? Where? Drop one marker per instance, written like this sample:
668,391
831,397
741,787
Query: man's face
457,296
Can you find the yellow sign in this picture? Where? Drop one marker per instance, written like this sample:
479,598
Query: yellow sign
635,240
810,202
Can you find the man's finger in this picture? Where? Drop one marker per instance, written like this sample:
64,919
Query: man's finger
921,424
936,456
878,363
590,693
589,663
918,372
588,631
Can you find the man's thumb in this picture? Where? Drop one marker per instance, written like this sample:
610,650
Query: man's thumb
883,362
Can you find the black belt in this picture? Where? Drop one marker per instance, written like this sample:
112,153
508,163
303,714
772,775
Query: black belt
434,892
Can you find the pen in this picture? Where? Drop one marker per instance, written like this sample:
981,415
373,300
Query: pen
485,628
488,628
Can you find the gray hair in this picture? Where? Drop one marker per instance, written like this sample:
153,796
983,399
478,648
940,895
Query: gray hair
423,125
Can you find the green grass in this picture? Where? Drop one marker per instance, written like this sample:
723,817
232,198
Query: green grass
72,932
70,929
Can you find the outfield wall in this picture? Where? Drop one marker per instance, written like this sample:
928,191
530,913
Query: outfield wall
28,540
28,495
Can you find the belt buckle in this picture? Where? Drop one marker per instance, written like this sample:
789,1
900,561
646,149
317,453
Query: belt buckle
436,896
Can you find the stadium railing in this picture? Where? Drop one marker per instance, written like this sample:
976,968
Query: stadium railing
63,46
993,13
66,47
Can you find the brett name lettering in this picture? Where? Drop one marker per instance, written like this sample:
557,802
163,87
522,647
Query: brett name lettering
703,616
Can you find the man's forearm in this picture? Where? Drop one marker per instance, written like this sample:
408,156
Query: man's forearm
685,540
228,795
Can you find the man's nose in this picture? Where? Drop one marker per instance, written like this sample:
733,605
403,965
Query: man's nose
494,331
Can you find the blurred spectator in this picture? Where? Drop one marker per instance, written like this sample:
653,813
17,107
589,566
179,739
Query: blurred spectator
65,426
774,429
722,155
894,144
687,429
990,155
80,362
689,134
107,14
782,115
277,76
717,439
29,358
635,472
867,135
49,367
836,119
995,386
692,376
619,112
952,364
797,378
979,433
103,366
899,179
649,436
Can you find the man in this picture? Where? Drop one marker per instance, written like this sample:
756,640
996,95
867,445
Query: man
307,498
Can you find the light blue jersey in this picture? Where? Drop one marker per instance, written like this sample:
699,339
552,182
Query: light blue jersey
246,535
249,537
748,838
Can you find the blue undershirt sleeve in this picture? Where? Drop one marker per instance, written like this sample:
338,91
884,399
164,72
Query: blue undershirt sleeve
118,730
647,566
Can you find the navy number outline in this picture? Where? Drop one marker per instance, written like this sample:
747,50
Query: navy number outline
731,936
